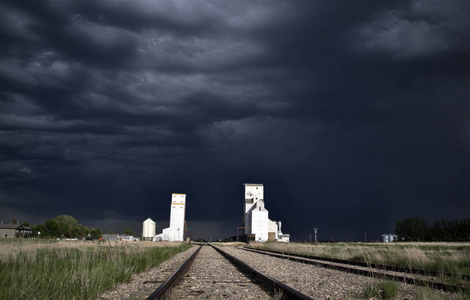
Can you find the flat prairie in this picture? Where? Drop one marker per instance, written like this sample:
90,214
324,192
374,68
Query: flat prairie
51,269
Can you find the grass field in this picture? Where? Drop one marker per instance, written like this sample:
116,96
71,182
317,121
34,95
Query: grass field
45,269
443,257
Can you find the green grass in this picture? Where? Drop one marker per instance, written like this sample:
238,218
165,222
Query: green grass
48,270
388,289
370,292
383,290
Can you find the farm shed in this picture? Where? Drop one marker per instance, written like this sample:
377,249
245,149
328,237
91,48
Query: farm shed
110,237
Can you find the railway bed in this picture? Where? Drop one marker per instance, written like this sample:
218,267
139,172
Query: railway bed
410,276
214,274
209,277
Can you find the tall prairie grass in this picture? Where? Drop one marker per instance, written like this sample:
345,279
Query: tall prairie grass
442,257
32,269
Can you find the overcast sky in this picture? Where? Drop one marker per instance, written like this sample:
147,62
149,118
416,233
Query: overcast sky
353,114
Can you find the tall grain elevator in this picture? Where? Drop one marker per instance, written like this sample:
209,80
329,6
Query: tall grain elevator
175,233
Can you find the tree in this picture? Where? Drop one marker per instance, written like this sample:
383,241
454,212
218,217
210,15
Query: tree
38,228
443,230
96,233
67,225
450,230
80,231
128,232
62,226
86,231
51,229
412,229
437,231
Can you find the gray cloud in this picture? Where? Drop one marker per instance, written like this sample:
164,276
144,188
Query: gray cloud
107,107
420,29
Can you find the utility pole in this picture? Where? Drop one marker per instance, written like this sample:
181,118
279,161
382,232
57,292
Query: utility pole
365,237
315,229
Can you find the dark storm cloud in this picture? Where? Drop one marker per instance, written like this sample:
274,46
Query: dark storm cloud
356,110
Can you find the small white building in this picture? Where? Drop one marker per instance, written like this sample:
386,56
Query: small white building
282,237
175,233
148,230
126,238
256,217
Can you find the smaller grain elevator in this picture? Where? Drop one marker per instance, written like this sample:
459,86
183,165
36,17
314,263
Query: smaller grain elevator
148,230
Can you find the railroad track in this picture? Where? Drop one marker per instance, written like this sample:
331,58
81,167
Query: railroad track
212,273
407,275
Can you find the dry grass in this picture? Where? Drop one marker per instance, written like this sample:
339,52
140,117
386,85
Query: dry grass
11,247
229,244
425,293
444,257
40,269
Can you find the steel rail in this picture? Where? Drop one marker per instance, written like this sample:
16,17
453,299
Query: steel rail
160,291
370,265
287,291
369,273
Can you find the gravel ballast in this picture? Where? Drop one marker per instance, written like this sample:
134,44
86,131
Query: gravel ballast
313,281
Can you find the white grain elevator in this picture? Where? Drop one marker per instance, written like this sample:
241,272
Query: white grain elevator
175,233
256,216
148,230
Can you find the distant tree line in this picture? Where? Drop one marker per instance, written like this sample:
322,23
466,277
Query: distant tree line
443,230
64,226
